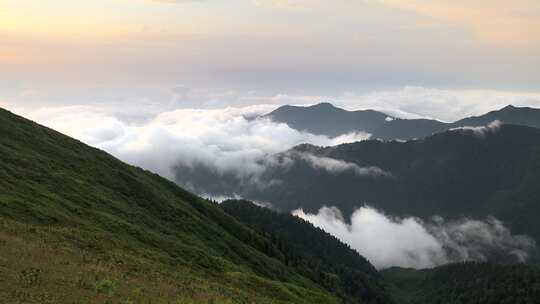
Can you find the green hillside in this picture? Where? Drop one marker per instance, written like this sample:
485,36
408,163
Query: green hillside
79,226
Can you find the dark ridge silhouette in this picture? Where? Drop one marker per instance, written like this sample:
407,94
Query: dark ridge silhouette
325,119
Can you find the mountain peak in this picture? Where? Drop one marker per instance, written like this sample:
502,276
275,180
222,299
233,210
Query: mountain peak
324,105
509,108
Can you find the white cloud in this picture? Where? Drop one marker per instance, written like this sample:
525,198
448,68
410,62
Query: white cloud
336,166
224,140
481,131
410,242
89,124
475,240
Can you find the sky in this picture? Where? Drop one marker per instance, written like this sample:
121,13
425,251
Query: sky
245,52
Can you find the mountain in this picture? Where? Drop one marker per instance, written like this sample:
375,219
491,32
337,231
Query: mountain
338,267
78,225
325,119
523,116
465,283
478,172
407,129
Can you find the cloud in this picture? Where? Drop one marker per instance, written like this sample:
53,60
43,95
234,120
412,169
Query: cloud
336,166
411,242
89,124
481,131
476,240
226,141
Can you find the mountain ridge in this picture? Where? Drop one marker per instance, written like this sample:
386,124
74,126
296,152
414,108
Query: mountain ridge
330,120
326,119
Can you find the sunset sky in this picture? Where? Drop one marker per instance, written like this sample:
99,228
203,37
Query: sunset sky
81,52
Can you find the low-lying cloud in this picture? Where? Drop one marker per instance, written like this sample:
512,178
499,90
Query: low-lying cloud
226,141
481,131
411,242
337,166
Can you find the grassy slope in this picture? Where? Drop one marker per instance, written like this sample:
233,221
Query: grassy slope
79,226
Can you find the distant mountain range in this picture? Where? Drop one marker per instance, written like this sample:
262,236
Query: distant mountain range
326,119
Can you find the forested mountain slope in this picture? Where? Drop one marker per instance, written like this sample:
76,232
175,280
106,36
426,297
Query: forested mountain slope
489,171
316,253
464,283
